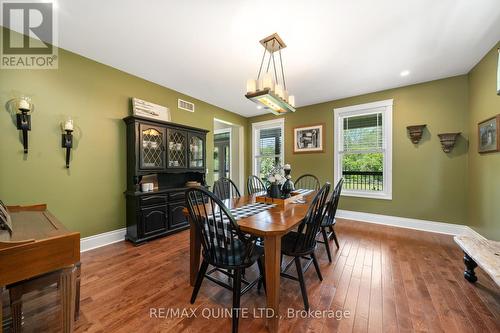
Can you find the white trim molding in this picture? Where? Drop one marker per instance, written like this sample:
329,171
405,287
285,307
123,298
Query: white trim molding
115,236
408,223
99,240
277,122
222,131
383,107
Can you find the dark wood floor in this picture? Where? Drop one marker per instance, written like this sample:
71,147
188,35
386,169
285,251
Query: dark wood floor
389,279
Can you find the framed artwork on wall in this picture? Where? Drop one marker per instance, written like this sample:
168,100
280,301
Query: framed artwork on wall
309,139
489,135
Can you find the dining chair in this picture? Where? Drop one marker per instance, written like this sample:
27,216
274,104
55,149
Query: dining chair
308,181
302,243
255,185
224,246
329,219
225,188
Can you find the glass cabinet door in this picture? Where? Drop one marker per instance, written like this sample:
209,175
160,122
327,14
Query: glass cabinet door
152,147
196,151
177,148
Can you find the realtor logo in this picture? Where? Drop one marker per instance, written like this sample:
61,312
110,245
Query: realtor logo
28,35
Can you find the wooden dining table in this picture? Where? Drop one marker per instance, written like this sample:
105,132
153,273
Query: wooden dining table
271,225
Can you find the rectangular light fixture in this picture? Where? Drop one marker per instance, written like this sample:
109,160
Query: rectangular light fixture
269,101
271,94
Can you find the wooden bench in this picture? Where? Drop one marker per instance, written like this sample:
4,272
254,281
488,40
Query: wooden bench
480,252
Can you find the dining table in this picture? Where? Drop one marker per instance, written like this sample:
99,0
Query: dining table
270,225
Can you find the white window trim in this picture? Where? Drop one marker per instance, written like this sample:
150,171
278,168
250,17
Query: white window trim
279,122
381,106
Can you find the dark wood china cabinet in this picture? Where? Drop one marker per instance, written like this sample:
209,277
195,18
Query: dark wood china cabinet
175,154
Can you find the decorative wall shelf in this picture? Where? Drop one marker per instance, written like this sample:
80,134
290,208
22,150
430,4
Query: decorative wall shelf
416,132
448,141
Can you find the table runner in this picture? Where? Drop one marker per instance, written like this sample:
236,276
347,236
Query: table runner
250,209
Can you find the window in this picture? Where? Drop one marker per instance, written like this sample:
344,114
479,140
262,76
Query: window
363,149
267,146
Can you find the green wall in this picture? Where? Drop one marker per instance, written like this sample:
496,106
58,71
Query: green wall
460,187
89,196
484,170
427,183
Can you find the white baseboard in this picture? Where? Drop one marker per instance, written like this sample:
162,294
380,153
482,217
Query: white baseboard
114,236
106,238
403,222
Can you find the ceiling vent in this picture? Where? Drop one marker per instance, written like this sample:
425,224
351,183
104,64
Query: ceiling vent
184,105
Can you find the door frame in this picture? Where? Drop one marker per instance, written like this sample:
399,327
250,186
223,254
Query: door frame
222,131
240,153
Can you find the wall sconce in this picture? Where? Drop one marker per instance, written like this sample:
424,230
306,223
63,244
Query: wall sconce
416,132
448,141
67,138
23,107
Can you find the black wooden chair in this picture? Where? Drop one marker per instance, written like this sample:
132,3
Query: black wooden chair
329,219
308,181
302,243
225,188
224,246
255,185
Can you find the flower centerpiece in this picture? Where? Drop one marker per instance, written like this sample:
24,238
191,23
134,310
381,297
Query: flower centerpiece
275,178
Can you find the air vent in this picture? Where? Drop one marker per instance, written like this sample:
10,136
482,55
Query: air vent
184,105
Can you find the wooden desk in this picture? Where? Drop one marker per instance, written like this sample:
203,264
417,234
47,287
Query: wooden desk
271,224
40,244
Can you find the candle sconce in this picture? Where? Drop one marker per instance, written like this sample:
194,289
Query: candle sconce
416,132
23,108
67,139
448,141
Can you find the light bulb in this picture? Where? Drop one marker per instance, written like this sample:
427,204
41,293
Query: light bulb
251,86
267,81
278,90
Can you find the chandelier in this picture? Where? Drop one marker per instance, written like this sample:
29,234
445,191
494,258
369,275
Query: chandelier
267,91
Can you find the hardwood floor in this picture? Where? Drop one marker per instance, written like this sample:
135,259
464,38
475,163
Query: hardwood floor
388,279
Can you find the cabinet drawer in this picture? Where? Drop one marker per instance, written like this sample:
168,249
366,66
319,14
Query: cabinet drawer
176,196
151,200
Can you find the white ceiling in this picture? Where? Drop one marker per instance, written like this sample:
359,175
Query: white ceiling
336,48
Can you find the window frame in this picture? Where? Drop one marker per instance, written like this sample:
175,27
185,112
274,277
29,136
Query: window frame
385,108
257,126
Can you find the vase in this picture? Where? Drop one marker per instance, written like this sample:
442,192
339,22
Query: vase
287,188
274,191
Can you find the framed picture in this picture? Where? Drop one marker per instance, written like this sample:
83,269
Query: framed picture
489,135
308,139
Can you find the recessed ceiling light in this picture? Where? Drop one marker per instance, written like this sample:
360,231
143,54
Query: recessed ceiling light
259,107
405,73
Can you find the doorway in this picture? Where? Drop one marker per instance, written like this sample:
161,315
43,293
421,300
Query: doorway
222,153
229,152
